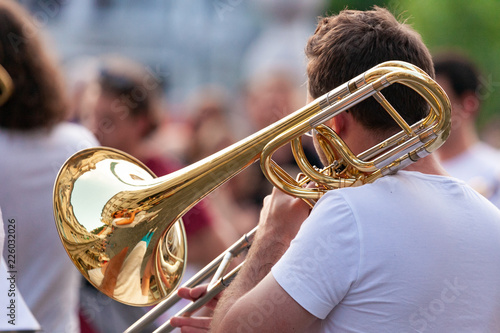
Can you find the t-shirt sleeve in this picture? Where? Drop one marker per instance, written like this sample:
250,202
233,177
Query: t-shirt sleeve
322,262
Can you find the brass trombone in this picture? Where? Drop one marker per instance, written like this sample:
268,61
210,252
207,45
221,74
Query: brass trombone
6,85
122,227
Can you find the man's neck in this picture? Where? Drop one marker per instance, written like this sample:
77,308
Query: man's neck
428,165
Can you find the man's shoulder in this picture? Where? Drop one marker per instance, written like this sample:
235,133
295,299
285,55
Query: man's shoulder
400,179
404,186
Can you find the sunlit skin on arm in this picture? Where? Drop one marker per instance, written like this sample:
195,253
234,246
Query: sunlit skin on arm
254,300
266,308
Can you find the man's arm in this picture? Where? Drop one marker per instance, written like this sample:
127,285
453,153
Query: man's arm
254,300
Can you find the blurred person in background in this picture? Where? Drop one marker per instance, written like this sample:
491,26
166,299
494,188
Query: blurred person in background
35,140
209,123
124,109
212,129
269,96
18,316
490,132
464,155
273,73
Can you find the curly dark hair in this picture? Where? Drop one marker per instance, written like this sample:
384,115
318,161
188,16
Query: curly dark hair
38,100
352,42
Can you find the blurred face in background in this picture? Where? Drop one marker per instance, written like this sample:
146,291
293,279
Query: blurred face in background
271,98
456,106
111,121
464,109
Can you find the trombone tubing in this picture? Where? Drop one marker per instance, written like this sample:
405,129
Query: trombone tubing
239,246
193,306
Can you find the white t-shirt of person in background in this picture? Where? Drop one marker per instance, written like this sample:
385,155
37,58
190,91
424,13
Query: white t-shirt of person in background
46,277
479,166
16,316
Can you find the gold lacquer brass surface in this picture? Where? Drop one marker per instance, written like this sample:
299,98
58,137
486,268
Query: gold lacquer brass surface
113,235
6,85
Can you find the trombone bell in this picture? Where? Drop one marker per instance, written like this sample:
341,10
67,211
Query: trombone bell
106,227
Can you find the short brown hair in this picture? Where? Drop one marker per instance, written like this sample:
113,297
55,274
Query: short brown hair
135,86
352,42
461,71
38,99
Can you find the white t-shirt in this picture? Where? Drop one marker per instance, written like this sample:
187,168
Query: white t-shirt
479,166
408,253
46,277
17,316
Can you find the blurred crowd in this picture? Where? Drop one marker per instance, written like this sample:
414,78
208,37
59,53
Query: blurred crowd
116,101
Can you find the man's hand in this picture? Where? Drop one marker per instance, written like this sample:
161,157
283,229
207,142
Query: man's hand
191,324
194,324
282,215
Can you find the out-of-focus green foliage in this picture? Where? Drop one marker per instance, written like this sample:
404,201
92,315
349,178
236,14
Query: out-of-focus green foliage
470,26
336,6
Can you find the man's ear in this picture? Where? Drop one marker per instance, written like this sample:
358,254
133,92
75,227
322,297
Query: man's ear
470,104
338,123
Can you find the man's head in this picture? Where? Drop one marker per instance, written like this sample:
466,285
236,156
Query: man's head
125,103
352,42
459,77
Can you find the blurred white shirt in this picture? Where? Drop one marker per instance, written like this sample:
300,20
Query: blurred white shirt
46,277
479,166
